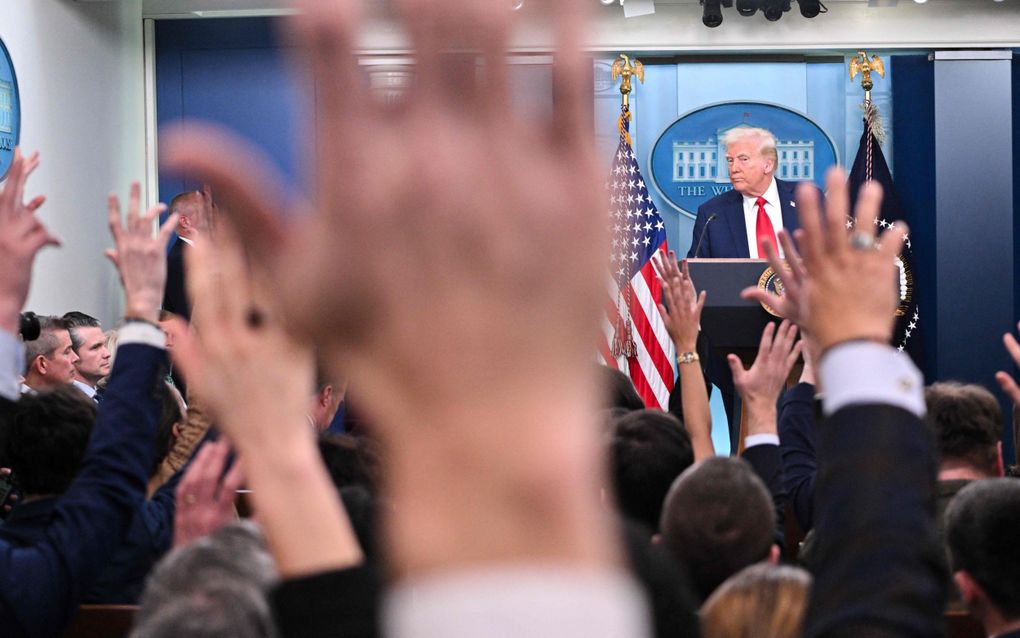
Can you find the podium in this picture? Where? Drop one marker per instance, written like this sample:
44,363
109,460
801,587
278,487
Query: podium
730,324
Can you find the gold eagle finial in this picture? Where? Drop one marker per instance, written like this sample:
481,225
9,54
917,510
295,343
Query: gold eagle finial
862,65
625,68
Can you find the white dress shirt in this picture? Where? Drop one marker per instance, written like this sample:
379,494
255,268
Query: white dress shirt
773,208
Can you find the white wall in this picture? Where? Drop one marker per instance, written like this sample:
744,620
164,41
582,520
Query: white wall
79,67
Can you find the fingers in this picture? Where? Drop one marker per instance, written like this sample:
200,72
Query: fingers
168,226
837,204
891,243
811,236
36,202
113,217
793,259
244,183
134,203
1008,386
869,204
765,345
572,76
737,368
1012,347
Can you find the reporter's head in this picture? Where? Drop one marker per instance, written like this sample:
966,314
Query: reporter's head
50,360
46,438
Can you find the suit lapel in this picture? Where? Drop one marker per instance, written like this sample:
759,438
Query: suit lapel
738,228
787,192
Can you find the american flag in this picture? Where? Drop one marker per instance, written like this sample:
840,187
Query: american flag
635,339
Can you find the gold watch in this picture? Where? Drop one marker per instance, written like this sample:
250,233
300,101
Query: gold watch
688,357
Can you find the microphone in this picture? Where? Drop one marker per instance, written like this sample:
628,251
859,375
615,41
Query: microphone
704,229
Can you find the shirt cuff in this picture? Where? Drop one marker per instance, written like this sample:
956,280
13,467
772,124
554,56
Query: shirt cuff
752,440
12,364
143,333
518,601
863,372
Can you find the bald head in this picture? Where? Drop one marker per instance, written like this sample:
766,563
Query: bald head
193,219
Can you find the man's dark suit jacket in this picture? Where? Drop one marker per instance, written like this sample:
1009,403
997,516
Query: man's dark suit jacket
175,297
41,583
726,235
879,570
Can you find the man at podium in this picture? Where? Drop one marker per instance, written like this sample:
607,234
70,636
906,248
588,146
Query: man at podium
733,225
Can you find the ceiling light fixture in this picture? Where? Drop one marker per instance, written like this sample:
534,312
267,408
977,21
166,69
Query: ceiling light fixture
774,9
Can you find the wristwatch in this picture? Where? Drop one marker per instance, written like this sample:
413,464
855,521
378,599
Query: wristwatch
688,357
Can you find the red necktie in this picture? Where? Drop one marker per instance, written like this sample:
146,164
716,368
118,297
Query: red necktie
763,229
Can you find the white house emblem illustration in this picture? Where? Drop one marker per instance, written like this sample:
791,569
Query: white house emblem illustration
705,161
6,107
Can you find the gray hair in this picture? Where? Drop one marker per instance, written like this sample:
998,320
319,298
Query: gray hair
214,587
767,141
47,342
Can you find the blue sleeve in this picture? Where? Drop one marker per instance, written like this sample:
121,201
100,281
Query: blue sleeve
797,446
766,462
41,584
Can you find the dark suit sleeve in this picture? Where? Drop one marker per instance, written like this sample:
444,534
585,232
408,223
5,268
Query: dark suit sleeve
797,446
879,569
767,464
41,584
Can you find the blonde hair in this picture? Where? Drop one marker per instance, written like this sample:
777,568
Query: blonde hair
764,136
760,601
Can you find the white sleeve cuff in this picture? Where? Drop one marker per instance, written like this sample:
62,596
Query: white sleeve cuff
862,372
12,364
143,333
518,601
752,440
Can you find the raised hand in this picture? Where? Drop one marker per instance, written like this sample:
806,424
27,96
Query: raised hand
759,386
205,496
791,304
22,236
256,380
454,265
138,254
1006,381
682,310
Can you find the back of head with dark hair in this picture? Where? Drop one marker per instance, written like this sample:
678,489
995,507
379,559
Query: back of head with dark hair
47,342
46,436
649,450
75,319
717,519
619,390
350,460
966,421
981,525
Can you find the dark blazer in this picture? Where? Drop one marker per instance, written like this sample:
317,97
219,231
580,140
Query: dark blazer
175,297
42,582
767,464
879,570
726,235
797,445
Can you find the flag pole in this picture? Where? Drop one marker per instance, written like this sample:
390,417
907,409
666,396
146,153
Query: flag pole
860,64
623,339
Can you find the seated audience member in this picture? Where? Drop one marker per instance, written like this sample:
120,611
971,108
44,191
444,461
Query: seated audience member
42,580
213,587
50,359
88,342
981,525
716,520
46,440
759,601
649,449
